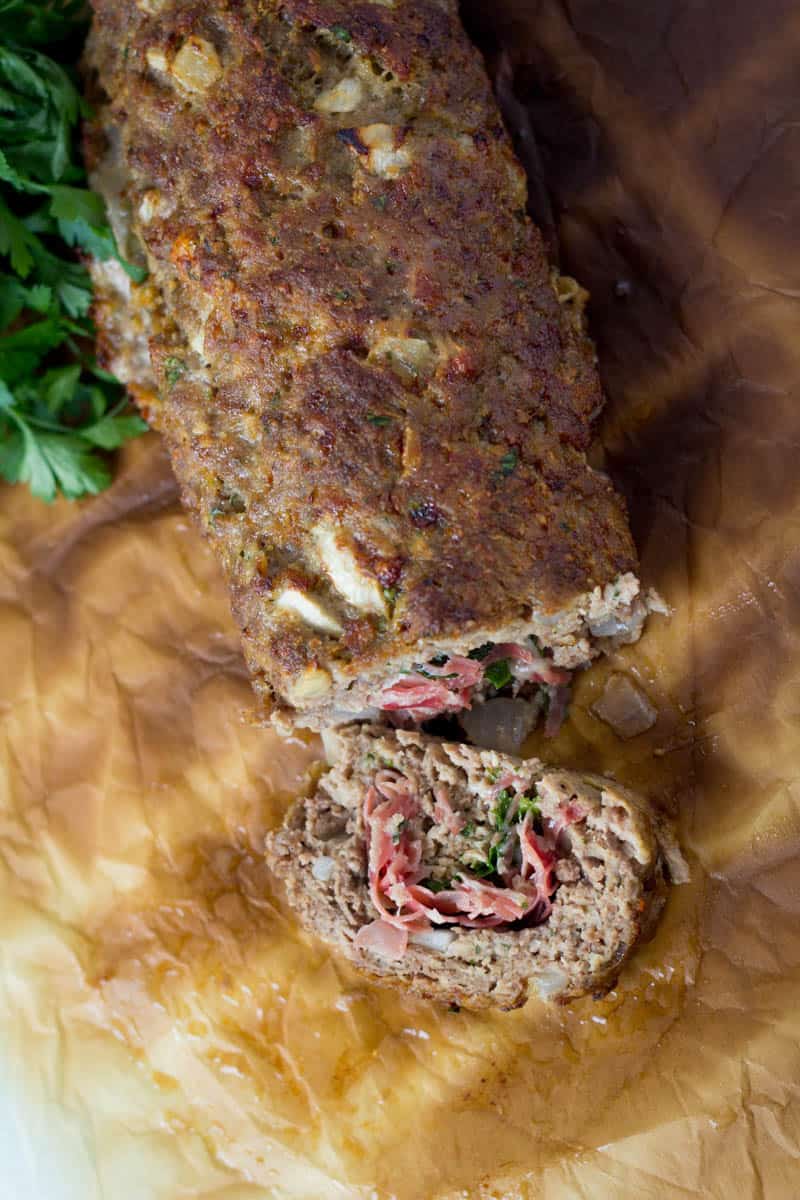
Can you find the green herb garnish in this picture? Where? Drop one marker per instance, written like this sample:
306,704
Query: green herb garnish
36,22
339,31
378,419
493,774
501,807
480,652
173,369
420,669
379,202
58,410
52,426
227,503
498,674
508,463
483,870
436,885
397,832
390,596
468,829
529,804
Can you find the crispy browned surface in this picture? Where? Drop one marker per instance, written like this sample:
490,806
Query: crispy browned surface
470,494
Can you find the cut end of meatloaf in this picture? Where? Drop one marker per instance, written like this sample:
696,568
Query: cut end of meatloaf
448,675
470,877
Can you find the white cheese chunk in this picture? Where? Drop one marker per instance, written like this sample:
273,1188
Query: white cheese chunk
433,939
406,355
341,98
387,157
156,59
308,608
345,573
311,685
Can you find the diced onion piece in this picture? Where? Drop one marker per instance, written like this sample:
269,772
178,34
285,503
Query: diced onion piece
156,59
550,982
625,707
433,939
149,206
656,603
610,627
344,716
411,352
502,724
343,97
196,66
322,868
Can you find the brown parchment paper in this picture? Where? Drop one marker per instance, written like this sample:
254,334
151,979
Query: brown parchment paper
152,989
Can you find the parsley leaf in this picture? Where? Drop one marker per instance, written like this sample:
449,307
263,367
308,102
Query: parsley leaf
36,22
498,673
483,870
58,411
501,807
508,464
436,885
173,369
529,804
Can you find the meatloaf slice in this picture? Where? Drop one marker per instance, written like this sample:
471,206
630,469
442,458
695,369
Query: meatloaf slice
467,876
376,394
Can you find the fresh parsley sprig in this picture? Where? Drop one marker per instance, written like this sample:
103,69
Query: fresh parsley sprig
39,22
58,411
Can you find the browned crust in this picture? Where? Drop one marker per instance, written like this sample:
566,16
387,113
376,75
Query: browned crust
299,262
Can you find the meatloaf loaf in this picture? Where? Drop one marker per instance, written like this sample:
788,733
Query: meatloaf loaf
376,395
467,876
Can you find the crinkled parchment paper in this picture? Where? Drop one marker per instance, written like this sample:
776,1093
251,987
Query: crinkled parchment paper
156,1001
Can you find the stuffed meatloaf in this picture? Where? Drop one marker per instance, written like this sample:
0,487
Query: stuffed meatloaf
376,396
468,876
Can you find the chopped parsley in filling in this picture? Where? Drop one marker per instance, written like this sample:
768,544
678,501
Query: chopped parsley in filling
430,869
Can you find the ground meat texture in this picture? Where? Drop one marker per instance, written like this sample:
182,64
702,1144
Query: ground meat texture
376,399
613,859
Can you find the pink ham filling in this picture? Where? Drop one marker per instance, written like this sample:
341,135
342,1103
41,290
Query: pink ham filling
395,869
422,698
453,686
